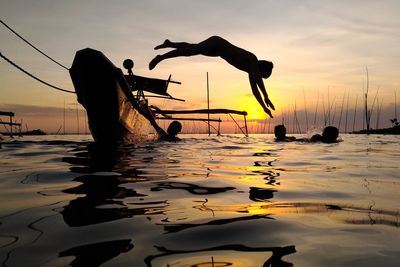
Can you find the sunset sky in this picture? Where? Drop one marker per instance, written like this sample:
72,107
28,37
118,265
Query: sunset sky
320,50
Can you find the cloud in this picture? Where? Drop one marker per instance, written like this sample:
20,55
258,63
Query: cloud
30,110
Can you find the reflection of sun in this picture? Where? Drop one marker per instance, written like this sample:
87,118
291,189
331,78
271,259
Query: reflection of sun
212,264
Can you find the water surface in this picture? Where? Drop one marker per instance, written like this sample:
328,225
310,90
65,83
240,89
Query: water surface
203,201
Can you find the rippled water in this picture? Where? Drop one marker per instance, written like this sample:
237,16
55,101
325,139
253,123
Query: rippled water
203,201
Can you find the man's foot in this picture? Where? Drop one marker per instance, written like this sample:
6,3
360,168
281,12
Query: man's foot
154,62
163,45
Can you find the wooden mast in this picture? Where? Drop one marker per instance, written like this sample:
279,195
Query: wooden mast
208,106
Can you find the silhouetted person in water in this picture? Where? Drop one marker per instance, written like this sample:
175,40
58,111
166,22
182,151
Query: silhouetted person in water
280,134
173,129
216,46
329,135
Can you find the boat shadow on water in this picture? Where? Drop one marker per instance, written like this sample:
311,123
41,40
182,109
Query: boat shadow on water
147,205
103,196
111,189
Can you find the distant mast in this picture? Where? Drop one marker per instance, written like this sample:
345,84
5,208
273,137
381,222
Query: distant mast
64,117
77,117
316,110
395,104
305,110
208,106
347,112
367,112
355,114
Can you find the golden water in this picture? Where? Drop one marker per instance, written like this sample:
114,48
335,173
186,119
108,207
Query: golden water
203,201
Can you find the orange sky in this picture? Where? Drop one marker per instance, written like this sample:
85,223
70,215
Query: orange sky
320,50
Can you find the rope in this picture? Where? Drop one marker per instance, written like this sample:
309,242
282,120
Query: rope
34,77
37,49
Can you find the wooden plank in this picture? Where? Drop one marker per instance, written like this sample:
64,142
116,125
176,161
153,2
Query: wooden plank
202,111
4,113
10,123
188,119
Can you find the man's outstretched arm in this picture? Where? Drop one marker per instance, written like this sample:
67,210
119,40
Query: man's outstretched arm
260,84
257,94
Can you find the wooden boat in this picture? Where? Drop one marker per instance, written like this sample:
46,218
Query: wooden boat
116,105
114,114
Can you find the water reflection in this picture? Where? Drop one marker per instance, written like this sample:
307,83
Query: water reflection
265,167
261,194
111,176
201,202
102,201
174,228
232,252
98,253
191,188
103,195
103,191
91,158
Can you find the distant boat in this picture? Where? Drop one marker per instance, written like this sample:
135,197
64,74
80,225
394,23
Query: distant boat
114,114
34,132
395,130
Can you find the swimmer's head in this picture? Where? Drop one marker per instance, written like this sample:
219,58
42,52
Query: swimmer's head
330,134
265,68
174,128
280,132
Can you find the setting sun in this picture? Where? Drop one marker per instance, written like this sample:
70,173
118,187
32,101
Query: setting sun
254,110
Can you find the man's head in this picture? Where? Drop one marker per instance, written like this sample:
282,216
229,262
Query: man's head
174,128
330,134
265,68
280,132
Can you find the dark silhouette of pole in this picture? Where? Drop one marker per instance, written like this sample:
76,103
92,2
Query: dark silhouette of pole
355,113
347,112
77,117
367,112
208,106
316,110
305,109
395,105
341,111
64,117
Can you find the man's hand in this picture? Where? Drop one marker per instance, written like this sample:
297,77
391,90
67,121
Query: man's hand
269,104
268,112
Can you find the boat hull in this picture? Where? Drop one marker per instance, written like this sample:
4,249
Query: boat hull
111,116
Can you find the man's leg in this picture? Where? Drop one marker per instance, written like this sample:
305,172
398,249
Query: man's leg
208,47
171,54
168,44
182,50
